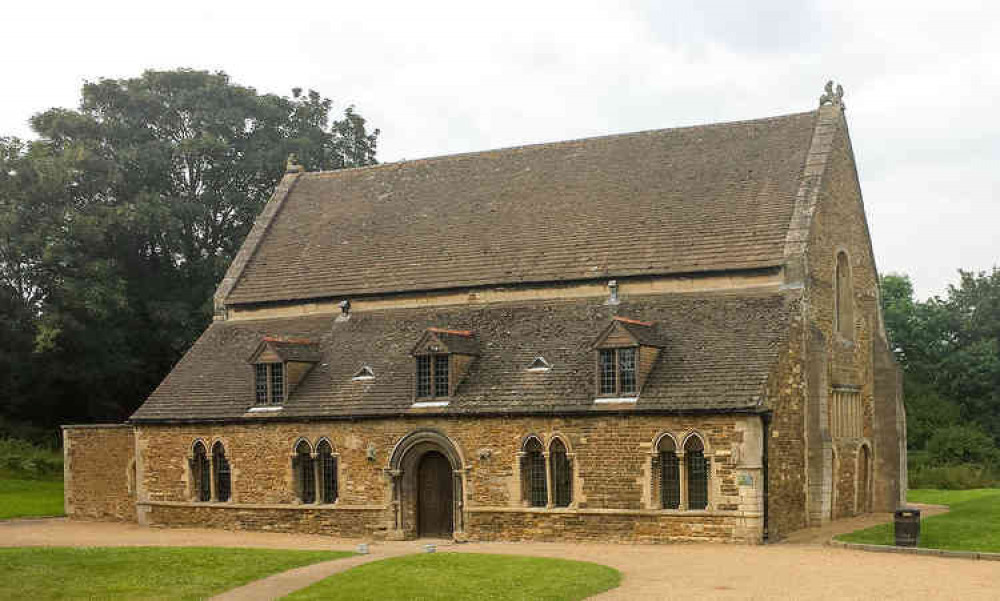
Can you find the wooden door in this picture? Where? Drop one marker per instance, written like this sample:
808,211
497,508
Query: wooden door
434,495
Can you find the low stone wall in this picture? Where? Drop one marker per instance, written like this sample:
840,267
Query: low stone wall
344,522
99,472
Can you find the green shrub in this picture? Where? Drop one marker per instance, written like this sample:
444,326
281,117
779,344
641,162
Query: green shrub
962,444
21,459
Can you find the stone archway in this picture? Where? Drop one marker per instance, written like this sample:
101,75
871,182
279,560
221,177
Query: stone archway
426,471
863,481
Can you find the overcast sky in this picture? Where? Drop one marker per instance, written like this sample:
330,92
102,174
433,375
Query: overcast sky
920,79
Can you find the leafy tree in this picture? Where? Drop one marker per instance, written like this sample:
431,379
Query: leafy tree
116,225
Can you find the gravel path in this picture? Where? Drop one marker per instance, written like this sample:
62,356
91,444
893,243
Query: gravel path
656,572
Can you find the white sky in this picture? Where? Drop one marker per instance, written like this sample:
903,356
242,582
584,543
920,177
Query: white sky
920,78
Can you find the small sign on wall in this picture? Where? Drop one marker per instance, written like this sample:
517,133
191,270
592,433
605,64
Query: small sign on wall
745,479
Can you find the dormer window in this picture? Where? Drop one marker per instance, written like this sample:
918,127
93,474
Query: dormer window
270,383
279,364
626,350
442,358
617,371
432,376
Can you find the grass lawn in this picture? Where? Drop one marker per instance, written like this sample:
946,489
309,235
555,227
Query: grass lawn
42,573
465,576
30,498
973,524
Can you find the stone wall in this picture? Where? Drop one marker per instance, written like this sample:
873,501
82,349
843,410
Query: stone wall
99,475
611,459
834,360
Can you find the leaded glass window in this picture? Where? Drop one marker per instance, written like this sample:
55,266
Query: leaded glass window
260,382
423,376
277,383
306,472
670,474
201,473
223,477
697,473
562,474
441,375
328,472
626,370
534,473
607,371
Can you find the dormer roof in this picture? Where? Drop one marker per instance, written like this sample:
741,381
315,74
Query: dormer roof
443,340
287,349
636,332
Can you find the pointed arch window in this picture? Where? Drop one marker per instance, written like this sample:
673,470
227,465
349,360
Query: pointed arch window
327,472
670,473
844,298
223,476
696,465
201,473
562,474
533,473
305,472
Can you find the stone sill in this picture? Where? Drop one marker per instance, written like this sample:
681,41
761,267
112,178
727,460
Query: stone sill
672,513
288,506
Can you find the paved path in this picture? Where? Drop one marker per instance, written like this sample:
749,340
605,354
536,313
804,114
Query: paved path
651,572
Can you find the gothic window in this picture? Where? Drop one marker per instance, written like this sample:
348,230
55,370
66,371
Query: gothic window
670,473
697,473
328,472
562,474
844,298
269,383
305,472
432,376
616,369
223,477
533,473
201,472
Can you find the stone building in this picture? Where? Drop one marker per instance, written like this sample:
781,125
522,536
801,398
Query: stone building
667,335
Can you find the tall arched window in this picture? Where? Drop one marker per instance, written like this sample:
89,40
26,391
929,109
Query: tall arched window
864,477
670,473
201,473
844,298
562,474
533,473
328,471
697,472
223,478
305,473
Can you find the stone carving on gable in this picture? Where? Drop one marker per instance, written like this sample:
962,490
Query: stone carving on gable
830,96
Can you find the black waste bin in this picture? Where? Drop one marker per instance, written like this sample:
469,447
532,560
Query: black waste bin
907,527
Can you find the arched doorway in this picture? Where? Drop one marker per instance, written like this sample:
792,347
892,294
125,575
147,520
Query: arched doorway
434,496
864,479
426,482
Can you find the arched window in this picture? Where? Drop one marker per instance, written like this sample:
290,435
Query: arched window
201,473
844,298
533,473
864,477
562,474
670,473
223,478
305,472
697,473
328,472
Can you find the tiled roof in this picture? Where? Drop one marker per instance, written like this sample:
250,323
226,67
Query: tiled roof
705,198
718,352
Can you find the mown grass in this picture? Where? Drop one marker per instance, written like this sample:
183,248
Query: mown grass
972,524
140,573
30,498
465,576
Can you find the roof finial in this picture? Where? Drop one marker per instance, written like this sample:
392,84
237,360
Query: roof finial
831,97
292,165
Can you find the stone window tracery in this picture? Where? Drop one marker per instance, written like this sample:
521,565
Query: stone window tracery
222,473
535,487
562,474
843,298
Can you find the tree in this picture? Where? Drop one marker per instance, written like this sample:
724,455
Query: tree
116,225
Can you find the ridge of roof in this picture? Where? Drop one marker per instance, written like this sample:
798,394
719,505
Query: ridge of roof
636,322
553,143
463,333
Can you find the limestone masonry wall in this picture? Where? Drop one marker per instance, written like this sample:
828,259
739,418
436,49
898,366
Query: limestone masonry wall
100,472
611,461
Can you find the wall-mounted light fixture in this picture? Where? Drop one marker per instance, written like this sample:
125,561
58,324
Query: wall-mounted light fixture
370,452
